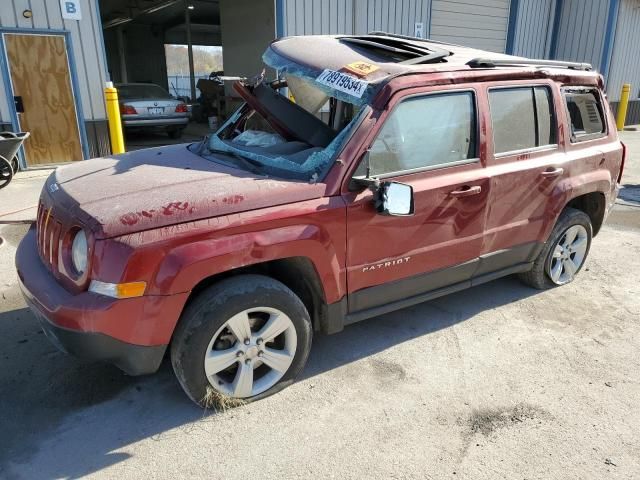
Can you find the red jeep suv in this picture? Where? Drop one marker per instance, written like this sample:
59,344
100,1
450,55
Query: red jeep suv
376,172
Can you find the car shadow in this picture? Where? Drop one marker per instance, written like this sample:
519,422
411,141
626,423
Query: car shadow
45,391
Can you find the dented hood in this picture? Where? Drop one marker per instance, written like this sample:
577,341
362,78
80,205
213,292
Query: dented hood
163,186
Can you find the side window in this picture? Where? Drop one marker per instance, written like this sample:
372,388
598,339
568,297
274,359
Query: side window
522,118
585,114
426,131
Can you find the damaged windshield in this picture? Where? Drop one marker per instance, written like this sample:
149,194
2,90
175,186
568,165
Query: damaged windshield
288,128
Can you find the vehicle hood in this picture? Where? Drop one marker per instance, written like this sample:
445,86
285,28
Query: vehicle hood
163,186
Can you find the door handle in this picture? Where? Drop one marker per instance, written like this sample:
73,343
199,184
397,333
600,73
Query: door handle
552,172
466,191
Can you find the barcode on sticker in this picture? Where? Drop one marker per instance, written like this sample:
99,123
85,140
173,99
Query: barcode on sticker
343,82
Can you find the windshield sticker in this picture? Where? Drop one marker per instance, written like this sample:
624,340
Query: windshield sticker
343,82
361,69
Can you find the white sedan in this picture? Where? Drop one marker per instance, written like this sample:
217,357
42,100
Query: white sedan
149,106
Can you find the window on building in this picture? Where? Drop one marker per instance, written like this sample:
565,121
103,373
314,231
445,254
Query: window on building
585,114
206,60
423,132
522,118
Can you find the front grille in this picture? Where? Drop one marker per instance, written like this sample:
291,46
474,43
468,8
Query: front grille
48,232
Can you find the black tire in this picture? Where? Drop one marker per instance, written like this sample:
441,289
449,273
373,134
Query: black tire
6,172
538,276
175,133
15,165
211,309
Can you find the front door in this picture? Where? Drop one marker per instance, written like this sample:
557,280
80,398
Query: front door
44,99
429,140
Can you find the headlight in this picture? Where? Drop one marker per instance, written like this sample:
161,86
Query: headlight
79,252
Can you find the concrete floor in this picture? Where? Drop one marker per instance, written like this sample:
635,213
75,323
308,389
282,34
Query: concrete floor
499,381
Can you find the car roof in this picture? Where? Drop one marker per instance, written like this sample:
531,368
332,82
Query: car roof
396,55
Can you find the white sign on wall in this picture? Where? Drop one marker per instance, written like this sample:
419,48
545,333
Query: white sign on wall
71,9
419,30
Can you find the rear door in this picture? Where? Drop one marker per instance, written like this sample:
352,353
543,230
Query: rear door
526,164
429,139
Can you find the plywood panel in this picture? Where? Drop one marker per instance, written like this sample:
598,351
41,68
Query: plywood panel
40,75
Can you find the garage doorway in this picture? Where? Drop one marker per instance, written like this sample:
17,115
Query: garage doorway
38,67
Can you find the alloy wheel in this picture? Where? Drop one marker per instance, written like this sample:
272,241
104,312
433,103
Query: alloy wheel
251,352
568,255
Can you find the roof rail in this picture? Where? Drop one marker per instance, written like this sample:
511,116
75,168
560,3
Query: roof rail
508,62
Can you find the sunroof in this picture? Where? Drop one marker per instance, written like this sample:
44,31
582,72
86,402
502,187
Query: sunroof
398,49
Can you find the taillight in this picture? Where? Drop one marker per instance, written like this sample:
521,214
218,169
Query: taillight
181,108
127,110
624,156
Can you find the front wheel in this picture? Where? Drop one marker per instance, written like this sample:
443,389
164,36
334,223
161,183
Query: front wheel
565,252
242,339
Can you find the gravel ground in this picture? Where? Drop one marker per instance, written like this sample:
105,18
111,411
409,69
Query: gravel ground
499,381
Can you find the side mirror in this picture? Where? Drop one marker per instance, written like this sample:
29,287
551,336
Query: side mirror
394,198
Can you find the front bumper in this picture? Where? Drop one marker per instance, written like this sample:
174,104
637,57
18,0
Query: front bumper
132,334
132,359
611,201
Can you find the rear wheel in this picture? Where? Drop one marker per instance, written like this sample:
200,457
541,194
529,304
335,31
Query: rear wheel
242,339
565,252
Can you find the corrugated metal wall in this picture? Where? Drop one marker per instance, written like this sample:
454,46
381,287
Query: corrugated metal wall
86,37
322,17
480,24
534,25
318,17
398,16
625,61
581,31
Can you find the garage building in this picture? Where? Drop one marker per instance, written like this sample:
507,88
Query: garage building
56,55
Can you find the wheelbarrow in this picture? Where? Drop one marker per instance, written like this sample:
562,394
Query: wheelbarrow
9,145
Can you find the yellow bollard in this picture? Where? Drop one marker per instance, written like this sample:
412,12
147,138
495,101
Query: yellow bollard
113,116
622,106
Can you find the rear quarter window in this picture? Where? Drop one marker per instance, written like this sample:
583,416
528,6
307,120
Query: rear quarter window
585,113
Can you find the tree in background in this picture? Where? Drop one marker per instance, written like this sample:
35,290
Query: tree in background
205,59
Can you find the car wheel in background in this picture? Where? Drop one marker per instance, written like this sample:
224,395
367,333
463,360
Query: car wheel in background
240,340
6,172
565,252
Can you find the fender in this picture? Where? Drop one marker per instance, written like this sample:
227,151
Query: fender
174,259
189,264
594,181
